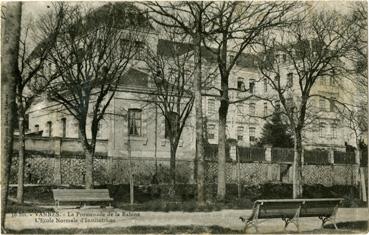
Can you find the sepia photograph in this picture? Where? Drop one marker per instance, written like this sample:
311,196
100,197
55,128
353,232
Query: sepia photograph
184,117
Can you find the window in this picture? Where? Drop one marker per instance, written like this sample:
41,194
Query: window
211,131
289,79
277,58
265,85
240,84
252,134
64,127
252,108
334,129
276,80
171,124
134,121
240,133
321,129
37,128
26,122
332,81
139,47
252,86
277,105
289,102
265,109
322,104
99,128
76,128
284,58
323,81
332,105
49,128
239,109
211,106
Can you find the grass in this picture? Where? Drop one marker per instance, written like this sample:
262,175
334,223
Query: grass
147,199
16,208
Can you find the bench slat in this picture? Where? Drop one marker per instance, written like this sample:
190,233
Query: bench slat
277,208
80,195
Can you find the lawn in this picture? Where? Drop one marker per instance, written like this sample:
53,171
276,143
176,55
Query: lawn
157,199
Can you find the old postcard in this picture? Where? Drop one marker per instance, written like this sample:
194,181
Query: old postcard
184,117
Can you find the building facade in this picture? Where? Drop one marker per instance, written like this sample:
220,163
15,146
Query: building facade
246,117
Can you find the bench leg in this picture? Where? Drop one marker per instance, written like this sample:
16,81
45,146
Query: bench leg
295,220
326,219
331,218
252,223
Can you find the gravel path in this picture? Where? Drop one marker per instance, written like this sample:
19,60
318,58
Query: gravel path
104,218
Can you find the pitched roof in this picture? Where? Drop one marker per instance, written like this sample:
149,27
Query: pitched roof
168,48
123,15
134,78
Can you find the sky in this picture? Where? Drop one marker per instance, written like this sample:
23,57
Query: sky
35,8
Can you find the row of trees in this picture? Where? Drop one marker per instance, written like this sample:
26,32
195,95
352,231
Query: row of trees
315,45
82,55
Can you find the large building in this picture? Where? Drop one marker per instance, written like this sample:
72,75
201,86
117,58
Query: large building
147,131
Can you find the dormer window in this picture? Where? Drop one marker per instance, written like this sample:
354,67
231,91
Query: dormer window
252,86
64,127
240,84
289,79
49,125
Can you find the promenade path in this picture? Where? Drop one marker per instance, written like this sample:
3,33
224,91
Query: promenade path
105,218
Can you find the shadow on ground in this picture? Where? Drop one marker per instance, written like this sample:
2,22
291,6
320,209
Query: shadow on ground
136,230
344,228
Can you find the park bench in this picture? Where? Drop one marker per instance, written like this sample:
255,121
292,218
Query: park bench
290,210
81,195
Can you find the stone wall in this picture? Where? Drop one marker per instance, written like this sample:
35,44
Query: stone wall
50,169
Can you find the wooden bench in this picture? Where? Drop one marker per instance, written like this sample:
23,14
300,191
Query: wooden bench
290,210
81,195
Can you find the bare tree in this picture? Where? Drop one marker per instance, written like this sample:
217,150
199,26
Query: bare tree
355,115
93,51
235,28
173,79
30,63
313,48
188,18
10,32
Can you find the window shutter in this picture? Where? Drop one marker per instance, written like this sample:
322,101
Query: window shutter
161,127
144,123
123,121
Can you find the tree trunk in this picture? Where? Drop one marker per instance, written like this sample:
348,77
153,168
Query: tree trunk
199,123
9,63
21,158
172,164
88,149
89,181
222,150
297,166
172,171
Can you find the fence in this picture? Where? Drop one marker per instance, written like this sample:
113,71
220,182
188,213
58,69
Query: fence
344,157
48,170
59,164
282,155
251,154
316,157
211,152
364,158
